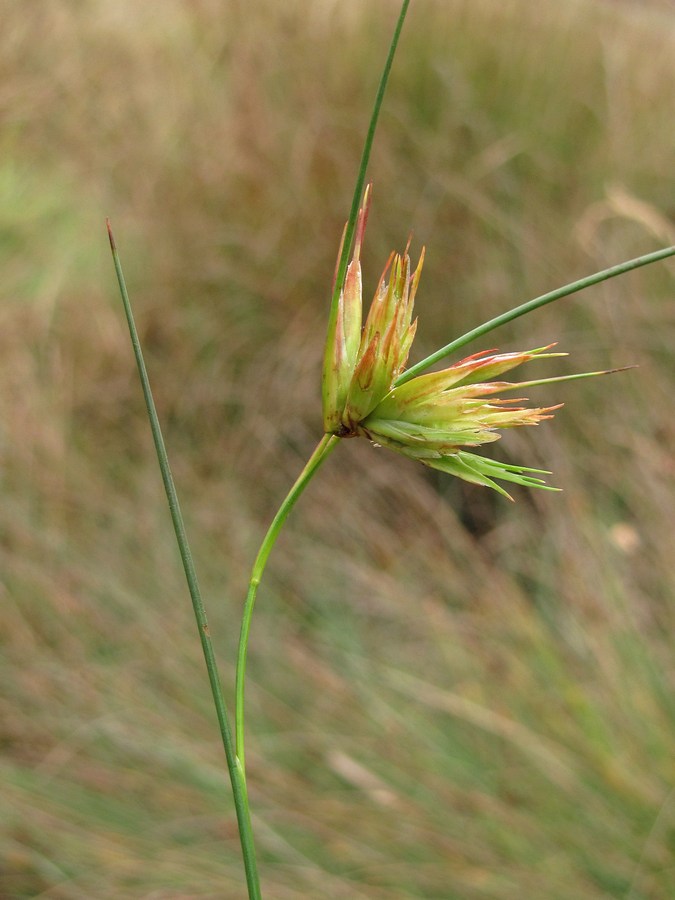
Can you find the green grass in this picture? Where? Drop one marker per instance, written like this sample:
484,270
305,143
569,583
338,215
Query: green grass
450,696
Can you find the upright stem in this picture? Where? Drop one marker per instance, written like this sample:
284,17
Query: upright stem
341,270
235,769
327,443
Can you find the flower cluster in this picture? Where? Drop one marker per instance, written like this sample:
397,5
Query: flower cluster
362,364
431,418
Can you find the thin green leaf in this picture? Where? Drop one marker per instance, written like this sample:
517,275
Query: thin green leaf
530,306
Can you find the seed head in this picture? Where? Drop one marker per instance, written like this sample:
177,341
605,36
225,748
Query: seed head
432,418
362,364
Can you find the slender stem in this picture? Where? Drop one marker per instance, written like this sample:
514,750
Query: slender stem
235,769
361,177
327,443
530,306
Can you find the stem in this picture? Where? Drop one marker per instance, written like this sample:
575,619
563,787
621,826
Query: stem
530,306
235,769
327,443
361,177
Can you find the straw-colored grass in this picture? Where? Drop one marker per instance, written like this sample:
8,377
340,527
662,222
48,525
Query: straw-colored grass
450,696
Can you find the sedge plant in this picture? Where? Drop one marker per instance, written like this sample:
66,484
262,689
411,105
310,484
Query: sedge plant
438,419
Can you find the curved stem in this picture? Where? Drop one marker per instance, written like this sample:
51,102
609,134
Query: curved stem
235,770
327,443
530,306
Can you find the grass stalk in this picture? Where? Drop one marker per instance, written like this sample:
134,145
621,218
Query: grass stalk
235,769
327,443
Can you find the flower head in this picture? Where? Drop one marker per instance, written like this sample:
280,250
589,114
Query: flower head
362,364
432,418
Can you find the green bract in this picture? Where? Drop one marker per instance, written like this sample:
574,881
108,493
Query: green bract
362,364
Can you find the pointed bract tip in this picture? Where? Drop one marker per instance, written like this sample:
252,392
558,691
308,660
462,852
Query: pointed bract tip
111,238
620,369
362,220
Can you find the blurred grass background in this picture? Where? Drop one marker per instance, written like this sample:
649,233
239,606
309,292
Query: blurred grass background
450,696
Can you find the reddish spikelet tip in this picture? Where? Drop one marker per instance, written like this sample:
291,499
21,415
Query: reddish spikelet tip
113,246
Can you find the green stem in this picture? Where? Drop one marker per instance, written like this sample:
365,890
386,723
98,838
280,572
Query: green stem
327,443
361,177
530,306
235,769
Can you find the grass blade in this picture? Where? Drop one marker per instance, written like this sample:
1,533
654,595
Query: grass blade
235,770
531,305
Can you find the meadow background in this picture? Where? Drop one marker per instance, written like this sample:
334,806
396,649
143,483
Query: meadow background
450,696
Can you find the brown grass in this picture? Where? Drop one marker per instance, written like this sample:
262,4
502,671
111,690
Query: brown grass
450,696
